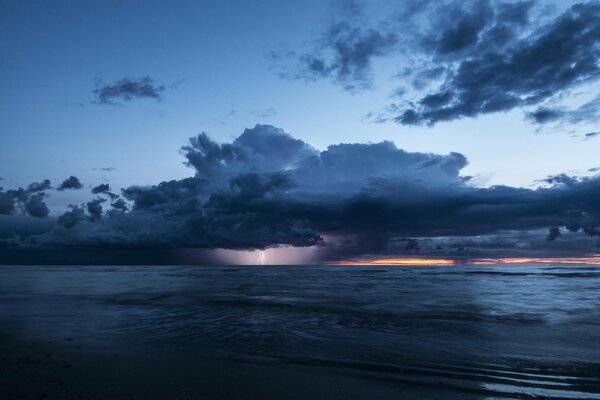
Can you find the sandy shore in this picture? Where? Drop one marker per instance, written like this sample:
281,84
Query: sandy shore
70,369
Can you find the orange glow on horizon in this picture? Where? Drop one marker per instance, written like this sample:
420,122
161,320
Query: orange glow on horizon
395,261
591,260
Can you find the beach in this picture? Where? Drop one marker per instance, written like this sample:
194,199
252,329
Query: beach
318,332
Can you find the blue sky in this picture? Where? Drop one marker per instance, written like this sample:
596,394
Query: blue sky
212,58
482,101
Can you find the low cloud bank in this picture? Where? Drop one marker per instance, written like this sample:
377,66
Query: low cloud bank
267,189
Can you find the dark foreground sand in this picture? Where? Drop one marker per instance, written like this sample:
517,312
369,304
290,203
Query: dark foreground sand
70,370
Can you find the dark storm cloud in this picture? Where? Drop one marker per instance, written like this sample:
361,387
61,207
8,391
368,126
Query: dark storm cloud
70,218
94,208
36,207
460,30
552,59
561,180
7,203
102,188
464,30
269,189
462,59
128,89
412,245
553,234
39,186
13,228
120,205
71,183
28,201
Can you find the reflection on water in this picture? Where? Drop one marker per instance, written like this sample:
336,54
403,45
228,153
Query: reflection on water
496,331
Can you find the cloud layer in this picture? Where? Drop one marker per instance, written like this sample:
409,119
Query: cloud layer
268,189
501,67
462,59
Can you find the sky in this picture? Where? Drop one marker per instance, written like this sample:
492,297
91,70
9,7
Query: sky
315,131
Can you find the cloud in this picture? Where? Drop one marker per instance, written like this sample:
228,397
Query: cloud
592,135
120,205
463,59
29,201
102,188
36,207
267,189
412,245
128,89
460,30
561,180
94,208
588,112
7,203
14,228
106,169
70,218
463,32
39,186
552,59
344,54
71,183
544,115
553,234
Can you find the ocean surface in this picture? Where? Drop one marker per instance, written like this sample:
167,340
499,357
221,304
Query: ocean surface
488,332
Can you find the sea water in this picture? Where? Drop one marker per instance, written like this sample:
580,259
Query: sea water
507,331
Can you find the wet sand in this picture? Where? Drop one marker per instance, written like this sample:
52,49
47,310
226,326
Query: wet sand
70,370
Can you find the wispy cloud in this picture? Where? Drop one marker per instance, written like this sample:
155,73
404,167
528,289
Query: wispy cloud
343,53
105,169
591,135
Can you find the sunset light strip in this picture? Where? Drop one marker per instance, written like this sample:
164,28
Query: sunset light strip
396,261
591,260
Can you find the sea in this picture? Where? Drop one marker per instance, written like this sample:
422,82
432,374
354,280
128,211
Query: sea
487,331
